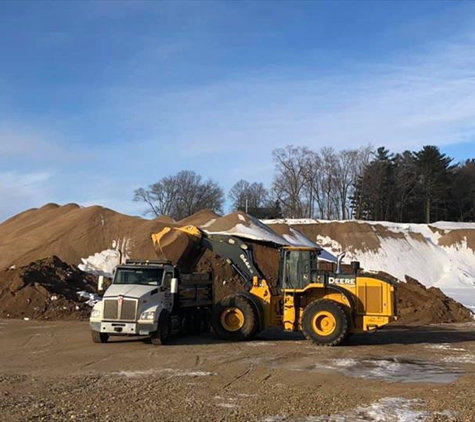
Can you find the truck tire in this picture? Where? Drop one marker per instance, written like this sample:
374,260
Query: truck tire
325,323
162,335
196,323
206,327
235,318
98,337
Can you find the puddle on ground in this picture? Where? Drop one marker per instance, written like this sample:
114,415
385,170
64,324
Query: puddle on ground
392,369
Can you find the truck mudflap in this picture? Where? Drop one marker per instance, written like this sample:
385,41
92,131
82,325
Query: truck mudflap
123,328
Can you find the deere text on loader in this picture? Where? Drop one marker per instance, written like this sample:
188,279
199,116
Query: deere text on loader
325,306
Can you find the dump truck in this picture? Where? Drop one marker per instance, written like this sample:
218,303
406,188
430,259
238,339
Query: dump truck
152,298
326,306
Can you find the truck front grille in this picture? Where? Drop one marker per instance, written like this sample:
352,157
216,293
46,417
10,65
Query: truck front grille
125,311
128,310
111,309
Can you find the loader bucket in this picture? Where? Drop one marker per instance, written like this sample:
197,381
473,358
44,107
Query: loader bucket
180,245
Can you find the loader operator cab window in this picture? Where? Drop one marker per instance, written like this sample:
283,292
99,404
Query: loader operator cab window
142,276
299,269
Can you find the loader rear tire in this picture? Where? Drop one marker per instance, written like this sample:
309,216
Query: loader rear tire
325,323
235,318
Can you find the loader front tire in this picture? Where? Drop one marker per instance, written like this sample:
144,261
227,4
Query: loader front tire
325,323
235,318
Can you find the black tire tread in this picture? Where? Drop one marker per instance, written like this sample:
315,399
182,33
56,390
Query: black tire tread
340,314
98,337
251,318
159,338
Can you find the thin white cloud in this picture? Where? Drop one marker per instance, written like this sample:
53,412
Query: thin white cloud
21,191
415,99
29,143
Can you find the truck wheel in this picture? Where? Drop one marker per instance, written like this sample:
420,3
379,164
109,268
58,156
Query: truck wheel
235,318
162,335
325,323
206,321
98,337
196,323
186,325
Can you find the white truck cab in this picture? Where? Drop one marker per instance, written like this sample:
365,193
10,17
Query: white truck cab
150,298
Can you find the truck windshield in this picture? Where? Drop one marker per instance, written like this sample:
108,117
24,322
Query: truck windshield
142,276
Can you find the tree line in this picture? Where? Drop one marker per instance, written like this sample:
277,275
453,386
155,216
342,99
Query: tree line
413,187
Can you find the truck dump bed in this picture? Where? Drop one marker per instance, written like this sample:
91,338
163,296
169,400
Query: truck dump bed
195,290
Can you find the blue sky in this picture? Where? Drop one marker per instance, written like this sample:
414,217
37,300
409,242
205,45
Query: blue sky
99,98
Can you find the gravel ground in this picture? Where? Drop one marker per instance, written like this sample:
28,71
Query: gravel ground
53,371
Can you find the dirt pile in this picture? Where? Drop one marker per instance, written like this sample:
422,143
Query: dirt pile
44,289
420,306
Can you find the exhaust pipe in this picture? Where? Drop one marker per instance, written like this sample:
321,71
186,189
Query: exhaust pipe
339,259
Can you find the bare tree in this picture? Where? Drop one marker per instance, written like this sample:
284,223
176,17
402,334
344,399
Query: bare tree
290,179
248,195
181,195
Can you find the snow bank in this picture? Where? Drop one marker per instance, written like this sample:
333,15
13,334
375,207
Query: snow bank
452,268
420,251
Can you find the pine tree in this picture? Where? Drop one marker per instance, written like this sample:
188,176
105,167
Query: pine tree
435,177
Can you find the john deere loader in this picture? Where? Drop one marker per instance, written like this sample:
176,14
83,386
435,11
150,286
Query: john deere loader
325,306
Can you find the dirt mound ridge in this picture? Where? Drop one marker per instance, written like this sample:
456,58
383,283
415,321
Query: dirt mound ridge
199,218
71,233
44,289
244,225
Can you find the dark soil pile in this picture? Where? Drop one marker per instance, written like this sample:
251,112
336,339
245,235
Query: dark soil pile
44,289
420,306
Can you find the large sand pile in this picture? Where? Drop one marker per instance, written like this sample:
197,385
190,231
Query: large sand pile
72,233
44,289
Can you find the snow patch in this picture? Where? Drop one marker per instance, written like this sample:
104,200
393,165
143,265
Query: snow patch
465,358
444,346
229,405
92,298
104,262
253,232
394,409
166,371
260,343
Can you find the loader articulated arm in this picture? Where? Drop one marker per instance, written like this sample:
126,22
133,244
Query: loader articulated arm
184,246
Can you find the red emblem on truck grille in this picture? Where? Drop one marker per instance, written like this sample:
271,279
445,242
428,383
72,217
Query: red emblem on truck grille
121,299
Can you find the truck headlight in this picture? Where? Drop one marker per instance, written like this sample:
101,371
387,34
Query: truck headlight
95,313
149,315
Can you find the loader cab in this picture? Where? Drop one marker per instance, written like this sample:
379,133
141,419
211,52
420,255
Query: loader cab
298,267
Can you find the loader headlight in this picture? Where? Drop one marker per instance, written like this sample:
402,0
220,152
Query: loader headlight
95,313
149,315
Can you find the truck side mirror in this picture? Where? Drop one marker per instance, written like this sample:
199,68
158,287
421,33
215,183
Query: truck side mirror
100,283
174,286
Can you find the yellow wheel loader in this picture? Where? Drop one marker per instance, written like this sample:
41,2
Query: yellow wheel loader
325,306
